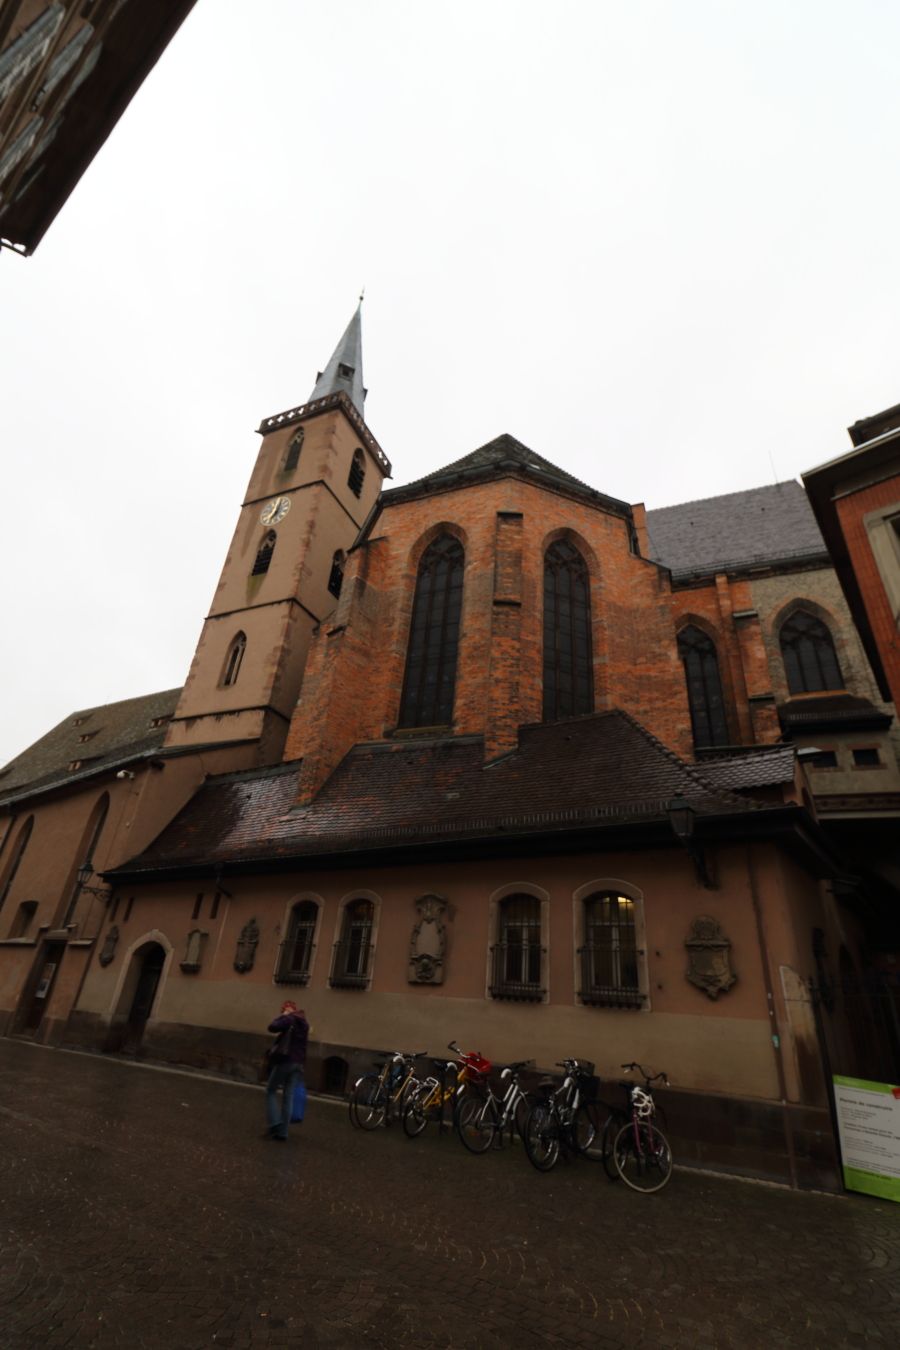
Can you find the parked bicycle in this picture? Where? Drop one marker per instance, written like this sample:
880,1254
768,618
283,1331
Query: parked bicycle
634,1147
436,1093
565,1119
376,1096
482,1118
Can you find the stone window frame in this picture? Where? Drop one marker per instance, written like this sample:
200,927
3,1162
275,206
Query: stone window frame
364,982
293,450
787,618
356,477
279,975
494,903
883,531
264,554
617,886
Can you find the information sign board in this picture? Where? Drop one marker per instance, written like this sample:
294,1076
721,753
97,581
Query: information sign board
868,1117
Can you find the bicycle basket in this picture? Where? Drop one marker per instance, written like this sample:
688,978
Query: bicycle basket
476,1061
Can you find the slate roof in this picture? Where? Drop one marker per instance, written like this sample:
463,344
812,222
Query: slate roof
591,771
770,766
504,454
740,529
118,731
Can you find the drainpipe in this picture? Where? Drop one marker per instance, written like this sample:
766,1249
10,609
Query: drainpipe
775,1030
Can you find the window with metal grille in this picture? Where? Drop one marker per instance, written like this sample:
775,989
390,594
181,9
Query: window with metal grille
517,958
295,953
353,951
234,658
810,661
16,857
336,577
704,688
429,682
292,454
609,957
357,474
568,676
264,554
866,757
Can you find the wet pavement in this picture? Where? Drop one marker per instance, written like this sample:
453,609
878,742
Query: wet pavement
142,1209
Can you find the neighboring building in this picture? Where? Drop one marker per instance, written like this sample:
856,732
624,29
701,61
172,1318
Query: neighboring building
68,70
493,756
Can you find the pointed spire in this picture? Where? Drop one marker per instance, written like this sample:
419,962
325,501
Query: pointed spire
344,371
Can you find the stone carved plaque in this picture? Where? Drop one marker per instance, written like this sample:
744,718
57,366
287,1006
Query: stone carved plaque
428,941
709,957
108,950
245,952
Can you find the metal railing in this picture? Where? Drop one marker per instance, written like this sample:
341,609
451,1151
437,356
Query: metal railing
517,971
351,962
609,976
285,970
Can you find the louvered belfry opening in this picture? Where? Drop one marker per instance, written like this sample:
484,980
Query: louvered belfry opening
810,661
609,957
295,953
517,958
234,659
704,688
353,951
568,662
264,554
357,474
429,683
292,457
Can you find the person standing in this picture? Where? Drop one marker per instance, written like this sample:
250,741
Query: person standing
287,1059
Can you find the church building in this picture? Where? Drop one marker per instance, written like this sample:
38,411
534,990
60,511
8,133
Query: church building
491,756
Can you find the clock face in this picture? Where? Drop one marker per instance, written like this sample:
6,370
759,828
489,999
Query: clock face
275,510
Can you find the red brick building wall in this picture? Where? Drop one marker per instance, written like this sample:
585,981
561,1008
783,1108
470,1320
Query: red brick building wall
852,510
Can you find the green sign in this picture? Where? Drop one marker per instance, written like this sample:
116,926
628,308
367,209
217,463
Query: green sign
868,1117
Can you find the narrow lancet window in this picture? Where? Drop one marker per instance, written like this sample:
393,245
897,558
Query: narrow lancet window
336,576
568,674
357,474
292,455
233,659
704,688
264,554
430,680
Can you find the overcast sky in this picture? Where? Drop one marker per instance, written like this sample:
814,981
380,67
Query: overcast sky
657,242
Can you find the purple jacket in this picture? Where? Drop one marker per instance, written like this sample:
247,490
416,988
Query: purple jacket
300,1029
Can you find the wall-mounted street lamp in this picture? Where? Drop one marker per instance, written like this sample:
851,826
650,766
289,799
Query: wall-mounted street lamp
84,874
682,818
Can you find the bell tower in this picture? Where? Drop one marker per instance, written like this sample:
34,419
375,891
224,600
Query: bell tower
317,476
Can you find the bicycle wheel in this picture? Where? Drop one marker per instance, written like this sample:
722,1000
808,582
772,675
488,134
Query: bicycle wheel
587,1129
608,1139
524,1106
642,1157
415,1115
476,1122
368,1102
542,1137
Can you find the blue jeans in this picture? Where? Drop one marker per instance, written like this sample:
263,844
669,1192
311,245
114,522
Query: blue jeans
283,1077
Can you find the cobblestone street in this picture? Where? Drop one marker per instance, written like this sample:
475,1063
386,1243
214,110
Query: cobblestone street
143,1209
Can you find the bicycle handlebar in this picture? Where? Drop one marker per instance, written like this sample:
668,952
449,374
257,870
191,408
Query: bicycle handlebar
647,1077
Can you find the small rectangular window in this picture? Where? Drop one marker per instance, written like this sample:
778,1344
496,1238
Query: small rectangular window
198,905
214,910
866,757
823,759
128,908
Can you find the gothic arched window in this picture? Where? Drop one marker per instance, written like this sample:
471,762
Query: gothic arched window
357,475
90,840
704,688
297,948
810,661
233,659
609,957
430,679
292,454
568,677
16,858
264,554
336,576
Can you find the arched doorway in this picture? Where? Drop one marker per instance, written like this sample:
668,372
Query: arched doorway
139,995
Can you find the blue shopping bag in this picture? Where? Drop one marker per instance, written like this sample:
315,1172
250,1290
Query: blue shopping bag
298,1105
